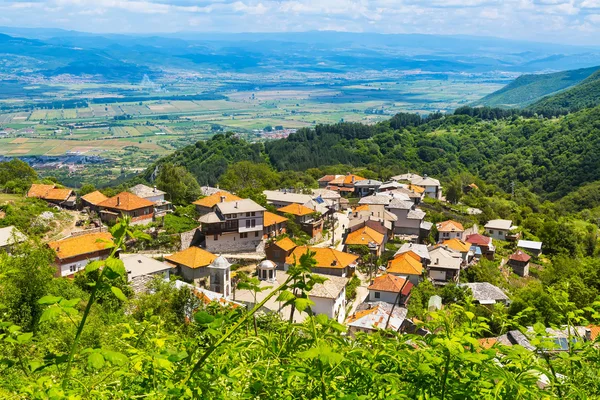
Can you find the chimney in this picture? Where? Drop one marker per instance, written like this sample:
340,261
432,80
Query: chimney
154,188
236,204
118,201
222,199
437,261
353,178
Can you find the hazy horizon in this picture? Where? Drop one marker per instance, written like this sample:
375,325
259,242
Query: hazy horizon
575,22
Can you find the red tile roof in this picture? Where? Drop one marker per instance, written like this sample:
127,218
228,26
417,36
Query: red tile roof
272,219
520,256
296,209
391,283
94,198
479,240
126,201
450,226
80,245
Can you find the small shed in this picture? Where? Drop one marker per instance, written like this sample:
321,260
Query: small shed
531,247
519,262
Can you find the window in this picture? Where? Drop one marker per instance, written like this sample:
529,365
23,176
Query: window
491,232
247,223
243,235
216,237
253,223
247,214
73,268
377,295
253,214
256,234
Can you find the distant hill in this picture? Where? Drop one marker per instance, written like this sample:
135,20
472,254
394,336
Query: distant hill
584,95
528,89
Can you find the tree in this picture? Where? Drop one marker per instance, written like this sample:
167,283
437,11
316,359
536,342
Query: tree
16,176
246,175
454,191
181,185
26,275
86,188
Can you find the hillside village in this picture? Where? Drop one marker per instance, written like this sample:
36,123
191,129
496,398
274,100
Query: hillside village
371,240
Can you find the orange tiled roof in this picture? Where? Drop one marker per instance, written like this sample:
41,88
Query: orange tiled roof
272,219
126,201
326,178
215,198
362,207
192,257
58,194
450,226
413,255
296,209
364,236
94,198
487,343
80,245
359,314
594,331
416,189
346,179
458,245
405,264
325,257
391,283
286,244
39,190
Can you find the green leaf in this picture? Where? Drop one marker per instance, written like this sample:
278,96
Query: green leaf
115,357
93,266
322,319
95,360
50,313
24,338
69,303
117,266
178,356
118,293
49,300
302,303
285,295
203,318
36,366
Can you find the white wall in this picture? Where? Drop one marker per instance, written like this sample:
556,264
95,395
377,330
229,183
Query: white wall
232,242
65,269
497,234
451,235
387,297
158,197
331,307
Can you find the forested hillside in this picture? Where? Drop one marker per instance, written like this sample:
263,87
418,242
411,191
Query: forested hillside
527,89
550,157
586,94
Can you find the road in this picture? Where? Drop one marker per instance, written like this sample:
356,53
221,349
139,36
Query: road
341,223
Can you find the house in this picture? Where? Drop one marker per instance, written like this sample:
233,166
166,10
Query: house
154,195
380,225
366,187
138,265
519,262
59,196
233,226
450,230
500,229
387,288
408,177
10,236
279,198
432,187
324,180
344,184
389,186
531,247
279,251
371,317
332,197
413,195
192,264
463,248
330,298
420,250
445,265
75,252
409,218
408,266
128,204
92,200
484,243
206,204
366,236
305,217
209,190
328,261
274,225
485,293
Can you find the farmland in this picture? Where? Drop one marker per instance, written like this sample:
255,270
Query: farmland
131,134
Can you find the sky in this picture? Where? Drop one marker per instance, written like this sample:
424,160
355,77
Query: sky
560,21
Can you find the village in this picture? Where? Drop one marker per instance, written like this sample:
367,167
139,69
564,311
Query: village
347,224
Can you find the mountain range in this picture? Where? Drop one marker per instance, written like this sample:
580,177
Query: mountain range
126,57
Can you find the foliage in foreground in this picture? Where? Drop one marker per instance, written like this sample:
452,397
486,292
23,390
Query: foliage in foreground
90,341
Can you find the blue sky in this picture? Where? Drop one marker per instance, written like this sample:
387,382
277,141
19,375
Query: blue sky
565,21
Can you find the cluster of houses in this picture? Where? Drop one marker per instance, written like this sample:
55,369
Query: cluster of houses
230,226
